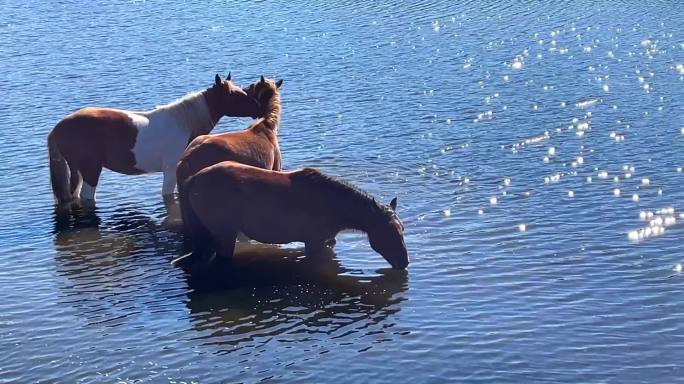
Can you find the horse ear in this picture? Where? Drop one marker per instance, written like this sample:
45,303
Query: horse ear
228,77
262,79
393,204
217,80
279,83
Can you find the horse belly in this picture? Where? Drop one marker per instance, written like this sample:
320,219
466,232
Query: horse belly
273,226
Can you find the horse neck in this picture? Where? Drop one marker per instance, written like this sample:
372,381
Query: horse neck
354,212
192,113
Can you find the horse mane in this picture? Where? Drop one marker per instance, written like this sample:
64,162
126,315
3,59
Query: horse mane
336,187
272,116
191,110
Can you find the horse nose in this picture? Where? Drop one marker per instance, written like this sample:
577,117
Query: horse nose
401,264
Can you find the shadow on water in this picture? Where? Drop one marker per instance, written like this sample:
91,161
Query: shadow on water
117,267
270,291
114,262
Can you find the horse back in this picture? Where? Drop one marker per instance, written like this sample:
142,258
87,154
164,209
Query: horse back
242,147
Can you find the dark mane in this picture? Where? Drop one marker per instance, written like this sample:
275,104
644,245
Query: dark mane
335,187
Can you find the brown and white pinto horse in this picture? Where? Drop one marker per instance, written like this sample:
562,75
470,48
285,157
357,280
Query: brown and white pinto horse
283,207
134,143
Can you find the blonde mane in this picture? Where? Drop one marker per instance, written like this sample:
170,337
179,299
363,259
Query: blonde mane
272,116
190,111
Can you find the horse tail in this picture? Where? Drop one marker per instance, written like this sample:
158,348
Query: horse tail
59,172
193,227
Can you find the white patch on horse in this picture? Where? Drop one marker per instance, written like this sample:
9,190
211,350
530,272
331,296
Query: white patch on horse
163,134
79,185
87,191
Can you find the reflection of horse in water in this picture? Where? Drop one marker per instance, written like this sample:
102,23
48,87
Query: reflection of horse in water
116,266
272,291
113,263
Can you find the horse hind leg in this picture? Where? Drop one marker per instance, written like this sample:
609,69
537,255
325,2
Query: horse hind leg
226,245
90,174
75,181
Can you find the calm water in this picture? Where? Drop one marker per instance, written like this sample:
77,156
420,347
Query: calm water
504,129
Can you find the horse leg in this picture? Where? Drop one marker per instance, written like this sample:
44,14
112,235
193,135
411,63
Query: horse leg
169,184
90,172
318,245
313,248
76,181
225,244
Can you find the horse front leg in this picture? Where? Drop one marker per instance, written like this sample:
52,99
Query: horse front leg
316,247
173,220
169,183
225,247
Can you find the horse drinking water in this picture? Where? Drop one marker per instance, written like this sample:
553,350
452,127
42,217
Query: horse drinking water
134,143
282,207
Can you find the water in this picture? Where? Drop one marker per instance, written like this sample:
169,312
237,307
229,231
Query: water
527,266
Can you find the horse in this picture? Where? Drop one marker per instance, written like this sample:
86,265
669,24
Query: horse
134,143
282,207
256,146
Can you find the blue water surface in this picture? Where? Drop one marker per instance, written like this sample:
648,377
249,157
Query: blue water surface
535,149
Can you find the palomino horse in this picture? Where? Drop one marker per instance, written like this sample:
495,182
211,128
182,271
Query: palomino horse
134,143
283,207
257,145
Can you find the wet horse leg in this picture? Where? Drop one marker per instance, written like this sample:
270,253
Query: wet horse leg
315,247
224,239
75,181
90,172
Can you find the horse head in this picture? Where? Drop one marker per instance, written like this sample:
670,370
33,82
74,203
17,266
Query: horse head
263,90
231,100
386,236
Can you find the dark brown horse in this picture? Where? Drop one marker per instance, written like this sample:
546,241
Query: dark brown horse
283,207
134,143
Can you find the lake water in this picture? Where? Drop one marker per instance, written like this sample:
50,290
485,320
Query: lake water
535,149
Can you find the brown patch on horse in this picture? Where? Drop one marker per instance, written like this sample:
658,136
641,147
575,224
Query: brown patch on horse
93,138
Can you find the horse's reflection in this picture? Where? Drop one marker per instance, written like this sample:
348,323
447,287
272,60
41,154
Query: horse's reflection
114,261
117,265
271,290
